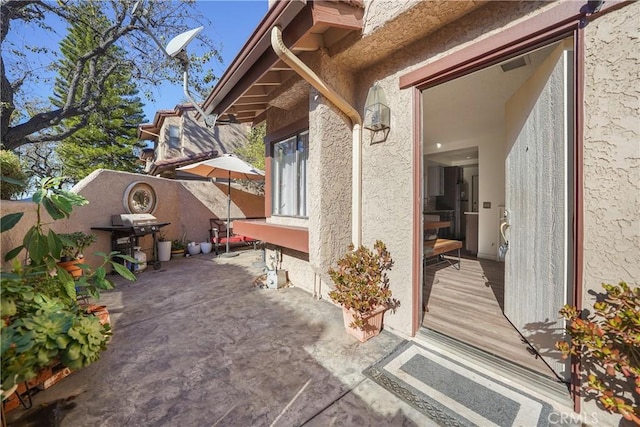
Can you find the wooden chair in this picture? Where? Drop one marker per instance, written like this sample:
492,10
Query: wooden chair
435,248
218,236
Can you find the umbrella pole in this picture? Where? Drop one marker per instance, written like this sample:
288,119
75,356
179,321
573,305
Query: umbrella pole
227,253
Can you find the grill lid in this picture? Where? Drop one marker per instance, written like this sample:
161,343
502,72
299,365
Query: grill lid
132,220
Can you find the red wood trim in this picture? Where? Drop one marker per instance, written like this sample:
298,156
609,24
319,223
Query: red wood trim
268,181
417,225
578,200
286,131
540,28
296,238
337,14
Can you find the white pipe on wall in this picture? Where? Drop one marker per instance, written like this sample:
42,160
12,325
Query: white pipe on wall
314,80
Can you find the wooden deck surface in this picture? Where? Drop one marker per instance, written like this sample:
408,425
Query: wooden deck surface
466,304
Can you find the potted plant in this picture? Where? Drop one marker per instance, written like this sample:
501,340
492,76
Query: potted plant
164,248
362,289
607,344
43,323
177,248
73,247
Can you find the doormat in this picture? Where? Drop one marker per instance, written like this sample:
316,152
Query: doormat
453,393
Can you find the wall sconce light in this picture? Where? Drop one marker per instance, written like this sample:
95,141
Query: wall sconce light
377,116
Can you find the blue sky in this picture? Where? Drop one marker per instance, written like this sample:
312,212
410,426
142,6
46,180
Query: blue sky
232,24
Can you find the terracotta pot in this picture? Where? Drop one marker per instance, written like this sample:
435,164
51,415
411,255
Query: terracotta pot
72,267
372,321
100,311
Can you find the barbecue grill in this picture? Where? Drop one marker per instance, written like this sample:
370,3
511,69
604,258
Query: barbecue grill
126,229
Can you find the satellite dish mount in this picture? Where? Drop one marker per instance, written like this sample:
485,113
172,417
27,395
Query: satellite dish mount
177,49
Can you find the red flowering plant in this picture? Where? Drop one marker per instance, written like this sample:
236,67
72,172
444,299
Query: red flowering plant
608,345
361,282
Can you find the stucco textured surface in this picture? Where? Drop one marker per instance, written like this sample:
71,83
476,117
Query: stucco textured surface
195,138
187,205
612,150
390,26
330,146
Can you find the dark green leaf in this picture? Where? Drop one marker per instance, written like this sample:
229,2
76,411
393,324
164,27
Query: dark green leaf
55,244
10,180
38,195
67,282
13,253
53,210
38,248
28,236
62,203
127,257
8,221
124,271
74,199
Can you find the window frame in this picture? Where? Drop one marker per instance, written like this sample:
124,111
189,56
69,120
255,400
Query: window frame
299,177
177,139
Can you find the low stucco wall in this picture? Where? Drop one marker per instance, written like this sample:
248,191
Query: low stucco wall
187,205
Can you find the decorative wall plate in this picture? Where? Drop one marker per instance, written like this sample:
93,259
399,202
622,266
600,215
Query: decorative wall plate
140,197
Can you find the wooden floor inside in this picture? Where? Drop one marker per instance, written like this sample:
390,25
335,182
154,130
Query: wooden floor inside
467,305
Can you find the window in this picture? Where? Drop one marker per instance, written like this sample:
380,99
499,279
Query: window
174,137
290,186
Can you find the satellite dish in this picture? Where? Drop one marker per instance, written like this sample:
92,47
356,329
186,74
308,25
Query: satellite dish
181,41
134,9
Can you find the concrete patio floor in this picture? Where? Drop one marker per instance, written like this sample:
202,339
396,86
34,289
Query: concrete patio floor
196,343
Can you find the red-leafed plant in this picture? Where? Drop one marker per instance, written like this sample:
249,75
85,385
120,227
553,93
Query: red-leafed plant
608,345
361,281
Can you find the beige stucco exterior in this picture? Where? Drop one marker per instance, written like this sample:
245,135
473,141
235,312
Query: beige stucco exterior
400,37
195,142
187,205
612,150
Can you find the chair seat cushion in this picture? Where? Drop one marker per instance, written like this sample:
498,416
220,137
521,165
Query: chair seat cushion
231,239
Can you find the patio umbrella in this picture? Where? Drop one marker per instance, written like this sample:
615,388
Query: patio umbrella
227,166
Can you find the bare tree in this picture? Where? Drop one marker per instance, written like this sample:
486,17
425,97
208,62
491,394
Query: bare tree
85,83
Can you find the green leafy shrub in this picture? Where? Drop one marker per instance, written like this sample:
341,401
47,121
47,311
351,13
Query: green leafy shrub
361,281
42,321
608,345
10,168
177,245
74,244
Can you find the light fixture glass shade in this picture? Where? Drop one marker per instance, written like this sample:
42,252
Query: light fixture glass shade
377,115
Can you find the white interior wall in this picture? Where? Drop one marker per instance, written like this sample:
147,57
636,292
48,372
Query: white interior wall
491,187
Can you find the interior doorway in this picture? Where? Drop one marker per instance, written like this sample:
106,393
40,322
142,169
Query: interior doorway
505,133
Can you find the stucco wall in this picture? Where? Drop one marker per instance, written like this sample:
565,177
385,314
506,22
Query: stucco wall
612,150
329,172
330,147
611,156
387,167
187,205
